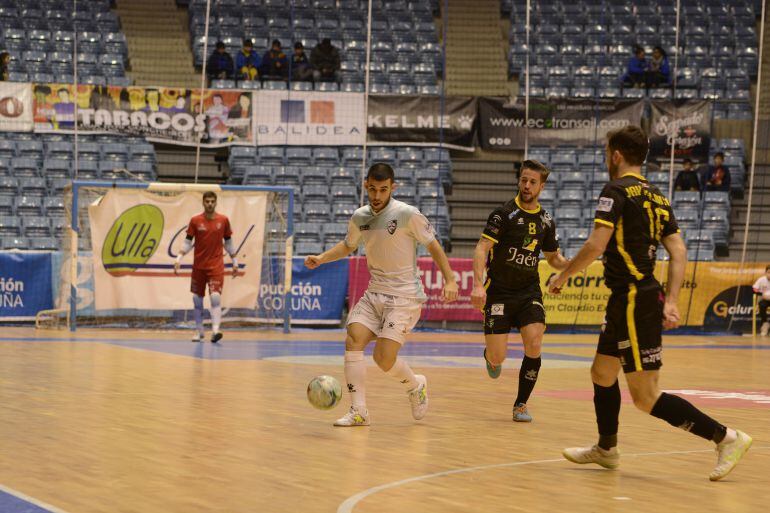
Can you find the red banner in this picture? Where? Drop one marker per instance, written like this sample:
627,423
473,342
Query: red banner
432,280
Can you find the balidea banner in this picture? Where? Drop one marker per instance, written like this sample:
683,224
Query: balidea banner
309,118
15,107
160,114
685,124
135,238
504,125
423,120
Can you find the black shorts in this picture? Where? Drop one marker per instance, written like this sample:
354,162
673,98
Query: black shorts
500,316
633,327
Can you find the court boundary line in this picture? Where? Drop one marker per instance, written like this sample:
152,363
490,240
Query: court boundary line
31,500
350,503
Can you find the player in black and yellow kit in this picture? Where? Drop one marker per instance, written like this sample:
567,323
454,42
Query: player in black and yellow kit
632,219
509,249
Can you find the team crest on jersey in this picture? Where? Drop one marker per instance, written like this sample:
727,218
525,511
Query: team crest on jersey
520,221
392,225
529,244
546,219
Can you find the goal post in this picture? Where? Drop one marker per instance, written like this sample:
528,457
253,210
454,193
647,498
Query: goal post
133,231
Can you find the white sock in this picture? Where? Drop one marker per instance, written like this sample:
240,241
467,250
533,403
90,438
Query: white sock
216,312
730,436
355,376
403,373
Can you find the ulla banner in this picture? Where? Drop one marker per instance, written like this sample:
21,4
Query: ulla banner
418,120
135,239
686,123
503,124
158,113
15,107
309,118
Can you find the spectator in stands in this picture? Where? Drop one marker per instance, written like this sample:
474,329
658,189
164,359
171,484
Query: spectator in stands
220,65
658,72
300,66
247,62
637,65
717,177
762,288
687,179
325,58
5,60
275,64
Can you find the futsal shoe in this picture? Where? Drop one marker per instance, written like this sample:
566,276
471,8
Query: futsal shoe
521,414
354,417
729,454
595,454
419,398
493,370
198,337
216,337
764,329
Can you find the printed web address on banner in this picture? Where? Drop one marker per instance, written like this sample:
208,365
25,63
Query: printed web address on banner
561,123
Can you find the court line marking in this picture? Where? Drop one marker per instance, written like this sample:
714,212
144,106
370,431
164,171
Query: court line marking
31,500
350,503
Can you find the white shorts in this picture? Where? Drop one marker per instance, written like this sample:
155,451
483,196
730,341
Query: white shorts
386,316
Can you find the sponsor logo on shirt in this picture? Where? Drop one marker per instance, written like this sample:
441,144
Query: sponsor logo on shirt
605,204
497,219
497,309
392,225
520,258
520,221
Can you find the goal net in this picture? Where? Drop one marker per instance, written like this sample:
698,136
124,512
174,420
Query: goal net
117,264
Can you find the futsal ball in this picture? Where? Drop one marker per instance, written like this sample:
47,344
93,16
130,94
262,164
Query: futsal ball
324,392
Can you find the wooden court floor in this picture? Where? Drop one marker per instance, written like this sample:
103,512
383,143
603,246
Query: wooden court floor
131,421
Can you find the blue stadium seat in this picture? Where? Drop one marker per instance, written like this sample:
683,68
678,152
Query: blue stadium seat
29,206
316,176
36,226
287,175
43,243
316,212
325,156
258,175
299,156
24,166
315,192
344,177
7,206
271,155
11,243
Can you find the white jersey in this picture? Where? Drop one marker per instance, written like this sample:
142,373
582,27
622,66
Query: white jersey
390,238
762,285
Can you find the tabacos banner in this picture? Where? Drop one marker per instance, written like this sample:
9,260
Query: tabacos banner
135,239
419,120
685,124
25,285
309,118
15,107
160,114
317,296
433,282
504,126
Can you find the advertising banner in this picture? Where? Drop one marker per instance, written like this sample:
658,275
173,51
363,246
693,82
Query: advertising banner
309,118
160,114
135,238
25,284
504,125
684,123
15,107
418,120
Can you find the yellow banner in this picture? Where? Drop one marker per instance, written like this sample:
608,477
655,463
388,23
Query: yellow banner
714,294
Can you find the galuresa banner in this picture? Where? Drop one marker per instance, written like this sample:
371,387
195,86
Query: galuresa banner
25,284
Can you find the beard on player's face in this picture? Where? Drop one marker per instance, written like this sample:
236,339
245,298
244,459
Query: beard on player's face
209,206
379,193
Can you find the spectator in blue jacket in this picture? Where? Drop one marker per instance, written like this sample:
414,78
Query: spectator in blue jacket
717,177
658,72
275,64
247,62
220,63
637,65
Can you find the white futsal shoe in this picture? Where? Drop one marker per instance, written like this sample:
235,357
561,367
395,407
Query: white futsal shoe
595,454
729,454
354,417
419,398
198,337
764,329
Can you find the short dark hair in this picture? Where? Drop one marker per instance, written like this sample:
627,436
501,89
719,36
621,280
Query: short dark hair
380,172
719,154
685,161
220,44
535,165
275,42
631,142
209,194
298,44
247,42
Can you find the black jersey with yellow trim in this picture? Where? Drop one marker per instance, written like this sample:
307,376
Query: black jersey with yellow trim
640,216
519,235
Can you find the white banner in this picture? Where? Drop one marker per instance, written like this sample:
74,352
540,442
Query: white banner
136,235
309,118
15,107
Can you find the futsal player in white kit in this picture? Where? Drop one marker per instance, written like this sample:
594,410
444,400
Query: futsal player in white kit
390,231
